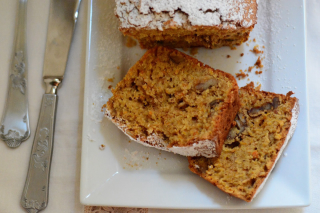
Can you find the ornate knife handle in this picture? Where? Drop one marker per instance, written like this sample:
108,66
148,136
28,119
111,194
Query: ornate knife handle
36,189
14,127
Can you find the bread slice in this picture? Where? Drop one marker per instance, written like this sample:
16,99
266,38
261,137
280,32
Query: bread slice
263,126
171,101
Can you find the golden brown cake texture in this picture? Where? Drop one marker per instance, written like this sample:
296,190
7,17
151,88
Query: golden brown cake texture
192,23
263,126
173,102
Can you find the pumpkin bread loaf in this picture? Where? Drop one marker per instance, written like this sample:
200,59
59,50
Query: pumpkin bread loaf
192,23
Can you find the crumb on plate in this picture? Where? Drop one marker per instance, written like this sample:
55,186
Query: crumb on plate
258,63
102,147
130,42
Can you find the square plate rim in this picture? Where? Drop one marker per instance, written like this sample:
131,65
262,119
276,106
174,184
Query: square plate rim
83,199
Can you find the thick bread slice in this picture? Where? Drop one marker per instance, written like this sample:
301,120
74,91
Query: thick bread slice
264,124
171,101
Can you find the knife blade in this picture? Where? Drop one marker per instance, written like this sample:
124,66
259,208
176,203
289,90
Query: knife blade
60,31
62,20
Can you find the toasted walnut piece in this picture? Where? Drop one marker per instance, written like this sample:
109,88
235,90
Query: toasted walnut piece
267,106
207,84
233,145
232,133
241,124
275,102
242,118
256,111
214,104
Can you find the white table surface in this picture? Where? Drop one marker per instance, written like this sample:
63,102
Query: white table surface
65,170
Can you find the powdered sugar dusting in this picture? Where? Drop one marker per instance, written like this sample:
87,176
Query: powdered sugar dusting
156,14
205,148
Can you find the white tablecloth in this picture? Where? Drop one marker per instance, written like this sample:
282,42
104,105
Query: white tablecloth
65,171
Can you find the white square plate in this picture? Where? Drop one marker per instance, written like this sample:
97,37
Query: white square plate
130,175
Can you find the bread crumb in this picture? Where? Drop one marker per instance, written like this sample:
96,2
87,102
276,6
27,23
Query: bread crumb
130,42
109,87
103,107
228,56
250,69
256,50
258,63
233,48
110,79
102,147
194,51
254,40
118,67
247,44
242,54
241,75
258,72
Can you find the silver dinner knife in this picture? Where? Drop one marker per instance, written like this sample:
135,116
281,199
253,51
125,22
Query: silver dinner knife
62,20
14,127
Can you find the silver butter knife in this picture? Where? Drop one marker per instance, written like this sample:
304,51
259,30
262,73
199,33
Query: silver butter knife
14,127
62,19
